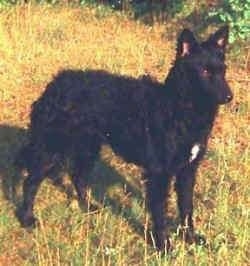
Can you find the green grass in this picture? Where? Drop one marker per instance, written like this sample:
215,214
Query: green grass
35,43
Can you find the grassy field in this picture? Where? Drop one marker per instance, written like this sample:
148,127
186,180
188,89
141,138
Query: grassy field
35,43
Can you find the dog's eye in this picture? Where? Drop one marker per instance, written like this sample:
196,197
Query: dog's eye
205,73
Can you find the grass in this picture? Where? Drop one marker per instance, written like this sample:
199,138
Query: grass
36,42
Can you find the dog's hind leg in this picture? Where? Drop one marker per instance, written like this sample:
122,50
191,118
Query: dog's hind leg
83,162
30,187
37,173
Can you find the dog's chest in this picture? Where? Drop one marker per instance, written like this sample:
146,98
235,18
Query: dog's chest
188,155
194,152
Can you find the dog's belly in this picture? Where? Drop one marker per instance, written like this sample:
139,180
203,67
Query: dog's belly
131,151
130,147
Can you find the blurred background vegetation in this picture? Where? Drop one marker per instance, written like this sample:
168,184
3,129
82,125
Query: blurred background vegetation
236,13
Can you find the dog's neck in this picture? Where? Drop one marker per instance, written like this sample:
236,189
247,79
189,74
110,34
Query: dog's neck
198,110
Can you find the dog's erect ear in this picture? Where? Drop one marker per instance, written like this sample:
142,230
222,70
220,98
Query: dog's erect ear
219,39
186,44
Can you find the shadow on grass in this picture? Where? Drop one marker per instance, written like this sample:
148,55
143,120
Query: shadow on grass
11,139
103,179
114,191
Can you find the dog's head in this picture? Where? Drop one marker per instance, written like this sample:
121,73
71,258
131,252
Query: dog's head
205,63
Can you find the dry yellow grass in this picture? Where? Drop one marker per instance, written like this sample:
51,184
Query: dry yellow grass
36,42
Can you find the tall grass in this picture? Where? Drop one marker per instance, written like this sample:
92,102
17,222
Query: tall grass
36,42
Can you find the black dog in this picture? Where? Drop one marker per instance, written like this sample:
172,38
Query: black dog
162,127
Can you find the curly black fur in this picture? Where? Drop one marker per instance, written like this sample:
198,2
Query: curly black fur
163,127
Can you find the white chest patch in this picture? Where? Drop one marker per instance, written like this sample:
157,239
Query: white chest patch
194,152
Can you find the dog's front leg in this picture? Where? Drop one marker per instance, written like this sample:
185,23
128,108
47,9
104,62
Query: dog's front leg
157,188
157,183
185,181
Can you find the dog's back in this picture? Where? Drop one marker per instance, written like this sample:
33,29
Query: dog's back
78,104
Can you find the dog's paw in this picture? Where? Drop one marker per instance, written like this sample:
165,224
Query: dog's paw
26,221
161,242
190,237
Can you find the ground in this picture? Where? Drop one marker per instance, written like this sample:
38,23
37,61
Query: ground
35,43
